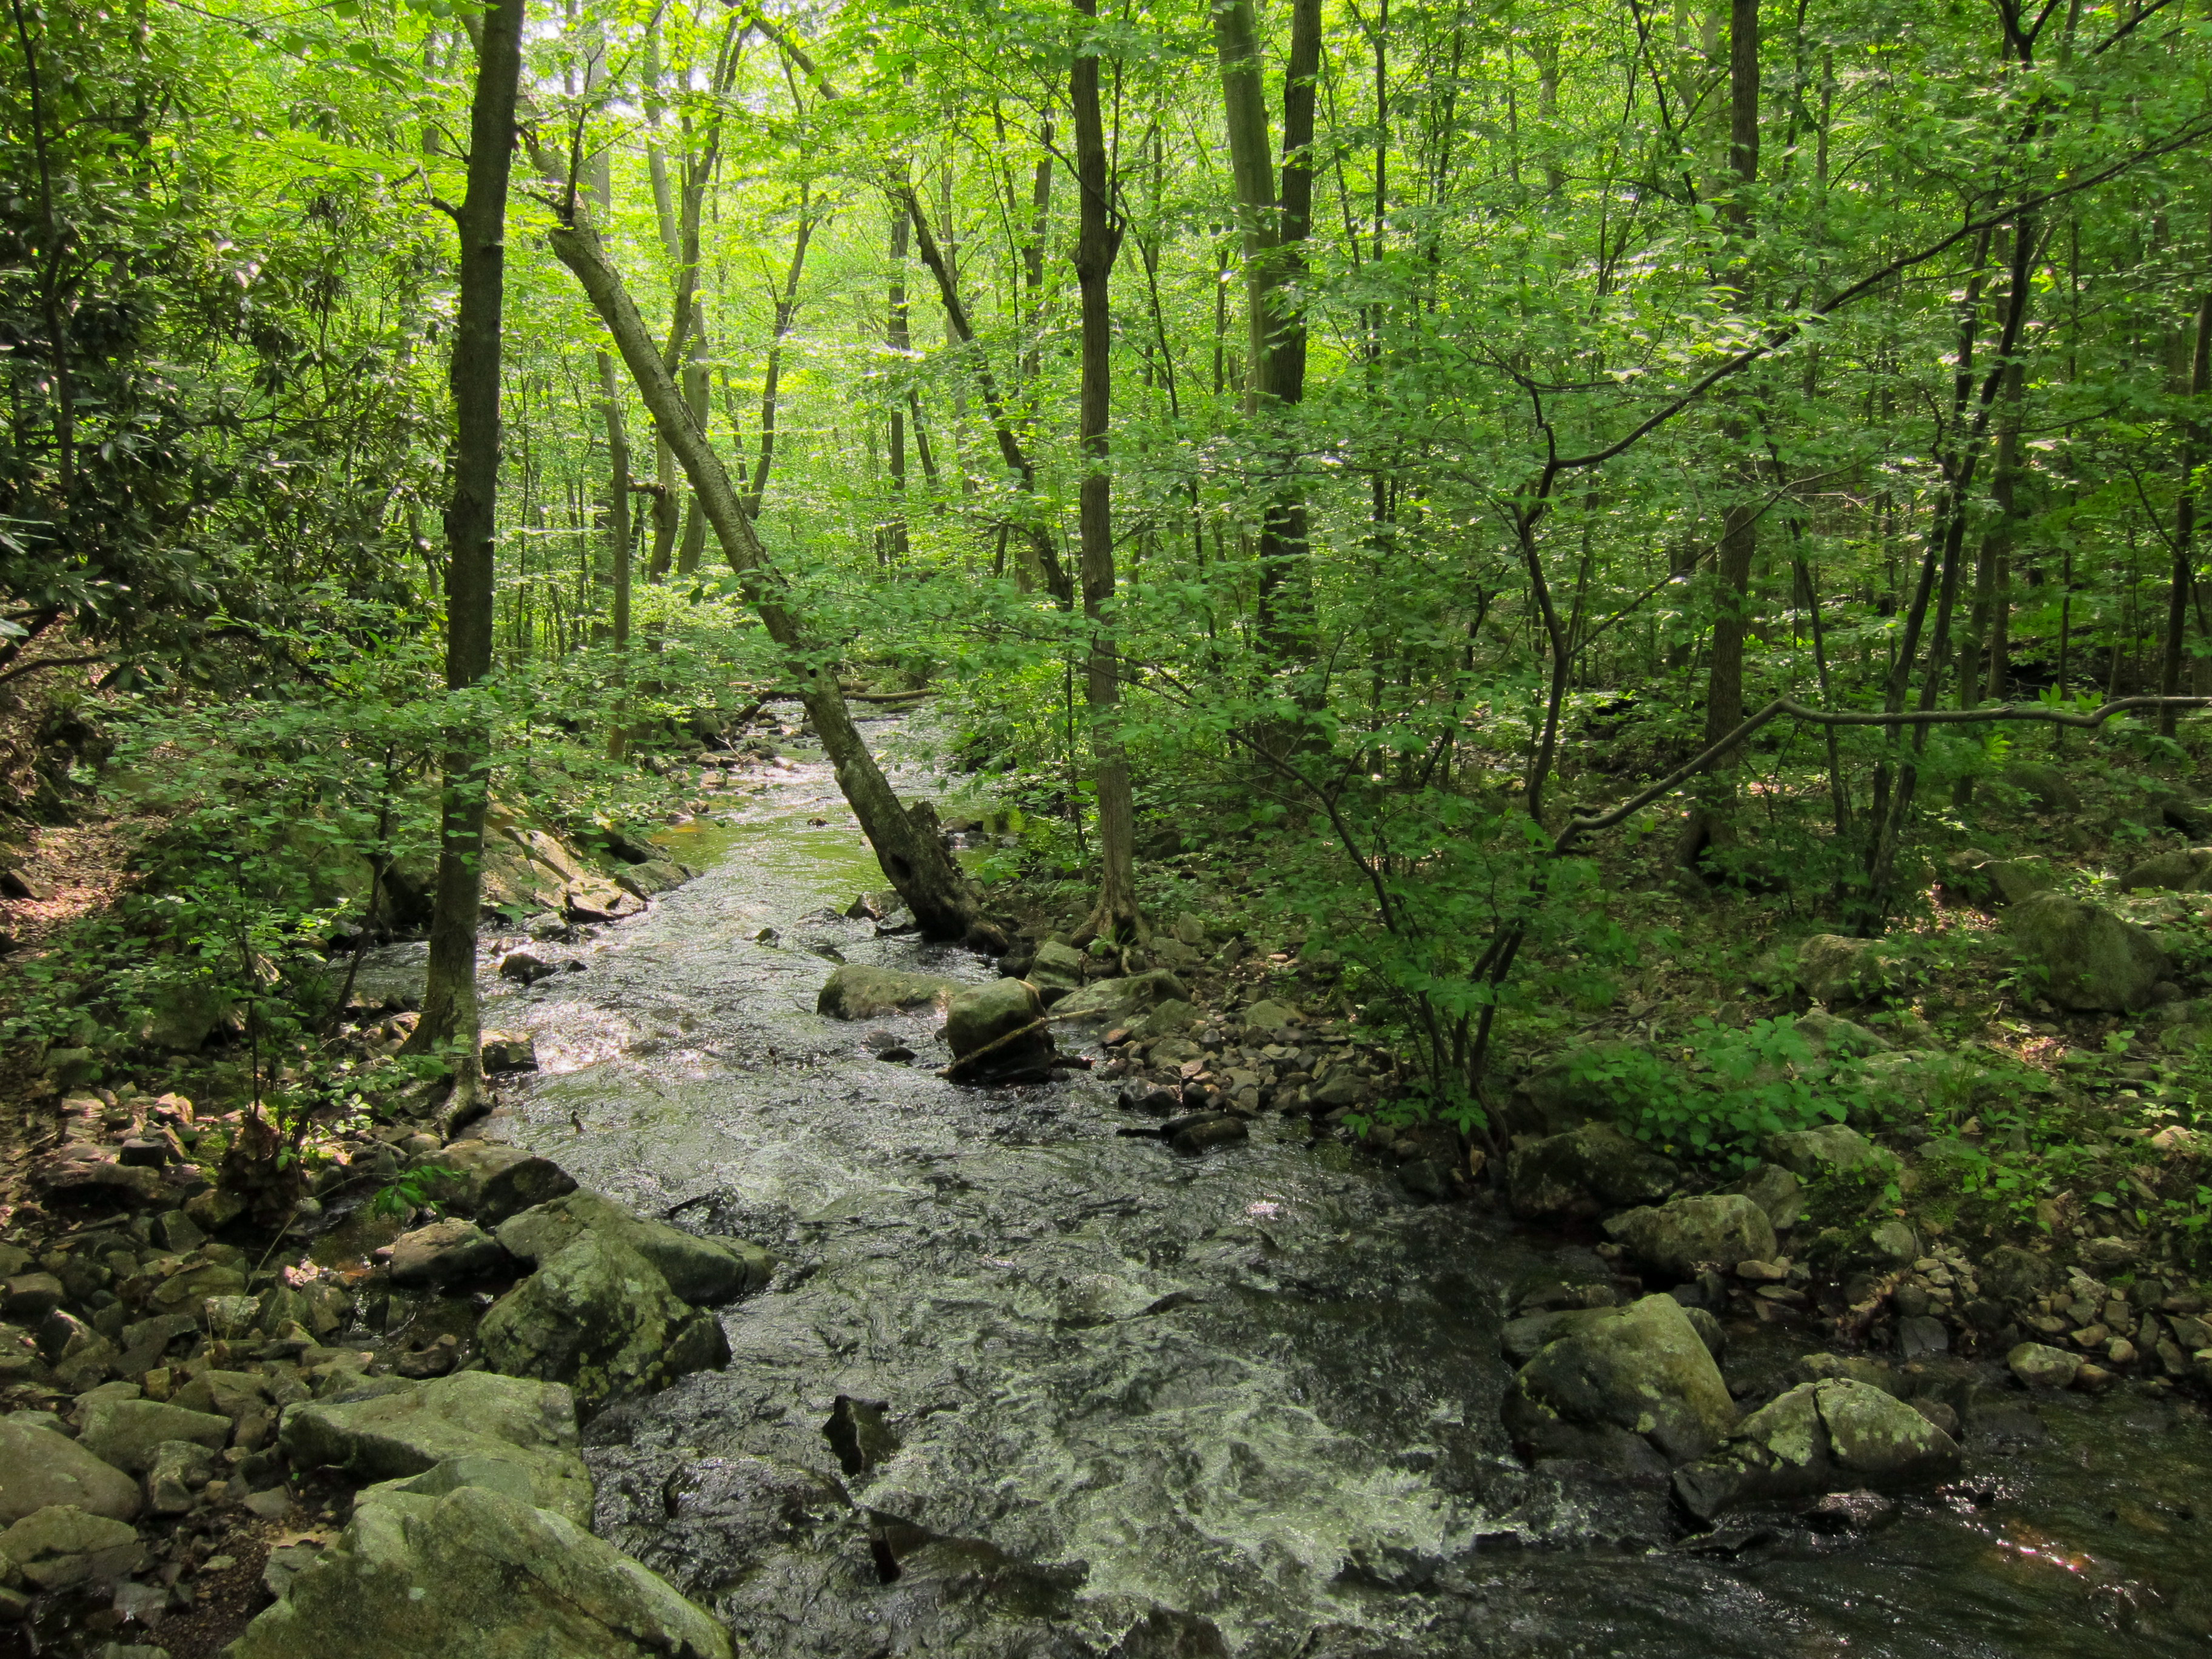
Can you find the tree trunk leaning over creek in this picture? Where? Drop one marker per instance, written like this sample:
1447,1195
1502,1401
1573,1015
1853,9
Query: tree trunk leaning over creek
449,997
908,843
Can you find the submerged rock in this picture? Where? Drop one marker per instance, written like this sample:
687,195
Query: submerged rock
598,1317
415,1427
1632,1387
1820,1436
1586,1170
476,1574
856,991
1680,1237
2086,958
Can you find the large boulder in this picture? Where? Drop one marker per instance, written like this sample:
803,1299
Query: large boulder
1987,881
1820,1436
2187,870
981,1015
127,1433
1687,1234
1832,968
492,1181
447,1252
39,1468
857,991
1586,1170
1826,1149
62,1547
705,1272
1056,970
476,1574
1117,1001
2084,957
599,1317
407,1431
1632,1387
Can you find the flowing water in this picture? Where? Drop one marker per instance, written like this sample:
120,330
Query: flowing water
1022,1383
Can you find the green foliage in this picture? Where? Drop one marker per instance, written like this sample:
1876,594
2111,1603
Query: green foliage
1716,1093
413,1189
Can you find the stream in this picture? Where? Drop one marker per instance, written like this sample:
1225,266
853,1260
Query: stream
1023,1385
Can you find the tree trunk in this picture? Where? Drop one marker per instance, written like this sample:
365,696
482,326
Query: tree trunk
2183,585
786,308
618,483
1274,230
899,339
1711,821
912,852
449,999
1115,916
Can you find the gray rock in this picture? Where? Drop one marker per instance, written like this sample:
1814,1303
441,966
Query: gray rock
1267,1019
180,1469
1687,1234
62,1547
127,1433
475,1575
652,878
1827,1149
1633,1387
417,1426
1832,968
1056,968
1921,1336
1117,1001
29,1297
599,1317
2084,957
1836,1038
1894,1242
856,991
227,1394
447,1252
2184,871
1169,1017
40,1468
2040,1366
705,1272
2011,1274
979,1015
1586,1170
492,1181
1776,1191
1820,1436
1988,882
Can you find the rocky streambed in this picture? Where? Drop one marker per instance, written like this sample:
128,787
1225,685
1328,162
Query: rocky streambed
1020,1381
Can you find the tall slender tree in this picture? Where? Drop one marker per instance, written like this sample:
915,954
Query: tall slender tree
450,1017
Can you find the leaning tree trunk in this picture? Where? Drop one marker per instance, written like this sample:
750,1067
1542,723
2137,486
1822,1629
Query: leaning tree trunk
908,844
1115,916
450,1014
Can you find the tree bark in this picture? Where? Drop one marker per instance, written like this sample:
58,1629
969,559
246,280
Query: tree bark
450,1012
907,843
899,340
1711,821
2182,587
786,308
1275,231
1115,916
